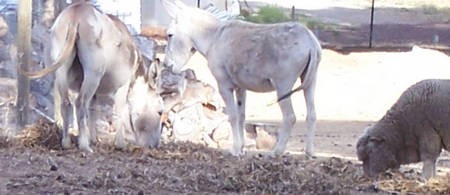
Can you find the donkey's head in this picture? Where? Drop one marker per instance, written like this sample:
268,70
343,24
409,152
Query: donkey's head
180,46
188,32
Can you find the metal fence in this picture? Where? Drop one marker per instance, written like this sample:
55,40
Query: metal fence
375,24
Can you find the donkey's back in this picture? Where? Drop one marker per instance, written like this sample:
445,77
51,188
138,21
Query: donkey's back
256,56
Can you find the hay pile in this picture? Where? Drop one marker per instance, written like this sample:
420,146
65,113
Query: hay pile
186,168
190,168
43,133
410,182
5,142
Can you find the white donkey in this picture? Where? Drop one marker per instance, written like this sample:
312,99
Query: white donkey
245,56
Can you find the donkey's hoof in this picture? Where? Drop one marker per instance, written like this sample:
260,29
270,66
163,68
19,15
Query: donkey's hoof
276,153
86,149
237,152
66,143
278,150
309,153
120,144
84,145
94,141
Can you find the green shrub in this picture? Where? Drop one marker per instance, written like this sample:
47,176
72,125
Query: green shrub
268,14
310,22
274,14
430,9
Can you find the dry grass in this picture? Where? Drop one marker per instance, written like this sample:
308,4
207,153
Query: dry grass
43,133
189,168
411,182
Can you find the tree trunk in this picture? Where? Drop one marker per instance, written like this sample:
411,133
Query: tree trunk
48,13
59,6
24,59
37,11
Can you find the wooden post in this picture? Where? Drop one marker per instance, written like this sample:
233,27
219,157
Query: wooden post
24,59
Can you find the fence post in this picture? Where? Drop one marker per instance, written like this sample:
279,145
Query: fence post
24,59
371,24
293,13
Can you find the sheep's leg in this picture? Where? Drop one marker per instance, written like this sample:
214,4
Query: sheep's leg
429,168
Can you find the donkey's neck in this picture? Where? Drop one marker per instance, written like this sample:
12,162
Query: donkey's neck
204,34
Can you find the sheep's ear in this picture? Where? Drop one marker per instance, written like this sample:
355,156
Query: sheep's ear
367,129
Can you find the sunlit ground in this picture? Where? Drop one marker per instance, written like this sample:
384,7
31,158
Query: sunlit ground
353,91
358,86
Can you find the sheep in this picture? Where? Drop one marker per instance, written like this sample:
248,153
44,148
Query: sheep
415,129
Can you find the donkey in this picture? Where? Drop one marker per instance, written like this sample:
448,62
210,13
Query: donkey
245,56
93,53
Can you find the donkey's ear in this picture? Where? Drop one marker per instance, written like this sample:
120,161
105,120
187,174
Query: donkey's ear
180,4
173,7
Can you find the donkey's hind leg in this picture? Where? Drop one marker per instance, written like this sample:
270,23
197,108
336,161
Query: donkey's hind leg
83,102
94,64
63,111
93,118
308,93
286,127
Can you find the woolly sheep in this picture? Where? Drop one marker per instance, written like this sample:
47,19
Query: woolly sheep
415,129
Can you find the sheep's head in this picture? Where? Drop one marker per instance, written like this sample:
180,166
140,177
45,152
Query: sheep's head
376,153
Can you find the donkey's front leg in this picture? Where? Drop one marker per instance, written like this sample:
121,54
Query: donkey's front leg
227,94
241,95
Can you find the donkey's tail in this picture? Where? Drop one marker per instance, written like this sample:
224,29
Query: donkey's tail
309,74
69,44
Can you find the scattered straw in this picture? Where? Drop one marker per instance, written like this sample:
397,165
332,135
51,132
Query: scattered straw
42,133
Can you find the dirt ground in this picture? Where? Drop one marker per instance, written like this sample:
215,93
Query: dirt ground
354,90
